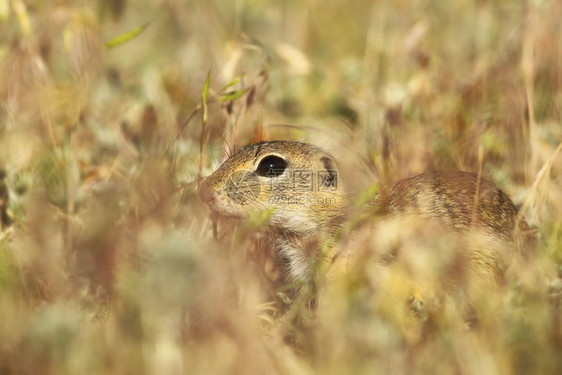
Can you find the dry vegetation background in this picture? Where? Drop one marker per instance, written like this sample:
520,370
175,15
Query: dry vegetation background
107,258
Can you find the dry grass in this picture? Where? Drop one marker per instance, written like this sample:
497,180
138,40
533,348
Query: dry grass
107,258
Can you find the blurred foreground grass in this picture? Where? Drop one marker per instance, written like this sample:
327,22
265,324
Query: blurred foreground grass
107,259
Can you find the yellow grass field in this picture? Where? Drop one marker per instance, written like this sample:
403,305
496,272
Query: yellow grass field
112,112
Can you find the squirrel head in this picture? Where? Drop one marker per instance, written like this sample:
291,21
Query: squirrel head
297,182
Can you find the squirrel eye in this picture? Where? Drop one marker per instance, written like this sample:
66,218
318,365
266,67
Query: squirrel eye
271,166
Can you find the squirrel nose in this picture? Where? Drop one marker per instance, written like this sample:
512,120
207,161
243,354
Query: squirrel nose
206,194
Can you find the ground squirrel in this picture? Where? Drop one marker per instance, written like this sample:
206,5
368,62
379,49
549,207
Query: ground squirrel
299,184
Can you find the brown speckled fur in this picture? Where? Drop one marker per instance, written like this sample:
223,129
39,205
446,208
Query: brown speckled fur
447,198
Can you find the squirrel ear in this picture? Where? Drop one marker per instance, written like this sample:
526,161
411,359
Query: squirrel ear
330,166
329,163
329,177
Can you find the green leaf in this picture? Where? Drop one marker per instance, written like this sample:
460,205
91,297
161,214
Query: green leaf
235,81
205,96
259,219
368,196
124,38
232,95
